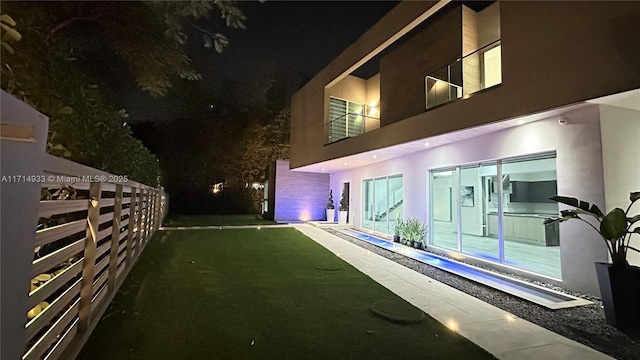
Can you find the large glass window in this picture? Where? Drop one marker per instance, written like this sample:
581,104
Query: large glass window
478,70
395,198
475,213
444,210
382,203
367,204
492,66
501,207
346,119
528,243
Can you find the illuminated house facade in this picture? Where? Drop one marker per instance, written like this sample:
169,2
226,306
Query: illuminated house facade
473,116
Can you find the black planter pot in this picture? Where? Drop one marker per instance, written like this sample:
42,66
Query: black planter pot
396,238
620,293
416,245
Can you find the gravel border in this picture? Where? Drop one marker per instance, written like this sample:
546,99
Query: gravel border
584,324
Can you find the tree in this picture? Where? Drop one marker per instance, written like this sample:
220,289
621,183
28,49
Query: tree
261,145
146,38
52,51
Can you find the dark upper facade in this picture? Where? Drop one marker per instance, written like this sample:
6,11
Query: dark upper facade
451,67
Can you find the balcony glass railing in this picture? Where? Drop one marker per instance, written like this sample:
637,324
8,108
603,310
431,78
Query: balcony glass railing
479,70
349,125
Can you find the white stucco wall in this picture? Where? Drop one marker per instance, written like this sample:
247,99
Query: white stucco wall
579,172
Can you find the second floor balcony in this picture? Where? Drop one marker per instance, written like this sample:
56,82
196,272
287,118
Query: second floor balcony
349,118
349,125
476,71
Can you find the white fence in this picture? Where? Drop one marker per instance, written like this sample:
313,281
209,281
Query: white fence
69,236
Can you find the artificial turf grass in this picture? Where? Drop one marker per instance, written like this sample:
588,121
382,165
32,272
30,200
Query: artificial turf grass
215,220
397,311
210,294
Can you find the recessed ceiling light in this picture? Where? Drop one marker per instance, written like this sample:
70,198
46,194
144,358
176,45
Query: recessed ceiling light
426,144
375,156
520,121
322,169
345,164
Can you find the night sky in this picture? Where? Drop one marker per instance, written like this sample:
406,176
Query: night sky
303,36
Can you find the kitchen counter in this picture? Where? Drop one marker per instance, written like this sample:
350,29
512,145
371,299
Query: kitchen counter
526,214
525,227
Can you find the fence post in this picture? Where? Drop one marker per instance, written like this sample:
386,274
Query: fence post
115,238
157,211
88,268
130,226
145,220
152,210
139,224
23,139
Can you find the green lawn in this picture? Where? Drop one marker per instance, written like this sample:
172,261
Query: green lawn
257,294
210,220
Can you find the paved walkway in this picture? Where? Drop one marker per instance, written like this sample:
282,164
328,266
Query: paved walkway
502,334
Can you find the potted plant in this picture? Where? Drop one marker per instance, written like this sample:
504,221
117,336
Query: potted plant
619,282
397,229
331,209
343,210
414,231
405,234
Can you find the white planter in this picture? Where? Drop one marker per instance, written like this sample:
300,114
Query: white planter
342,217
331,215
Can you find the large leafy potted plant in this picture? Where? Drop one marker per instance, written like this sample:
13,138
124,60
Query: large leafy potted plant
343,210
619,282
331,209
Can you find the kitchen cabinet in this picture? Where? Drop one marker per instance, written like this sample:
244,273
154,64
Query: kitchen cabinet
507,226
492,220
521,227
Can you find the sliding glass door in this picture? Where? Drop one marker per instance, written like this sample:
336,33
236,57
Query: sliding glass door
381,202
444,225
474,212
496,211
367,204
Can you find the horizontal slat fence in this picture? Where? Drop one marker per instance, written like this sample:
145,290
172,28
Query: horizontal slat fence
89,236
69,236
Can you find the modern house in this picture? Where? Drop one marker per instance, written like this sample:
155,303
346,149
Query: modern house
469,116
